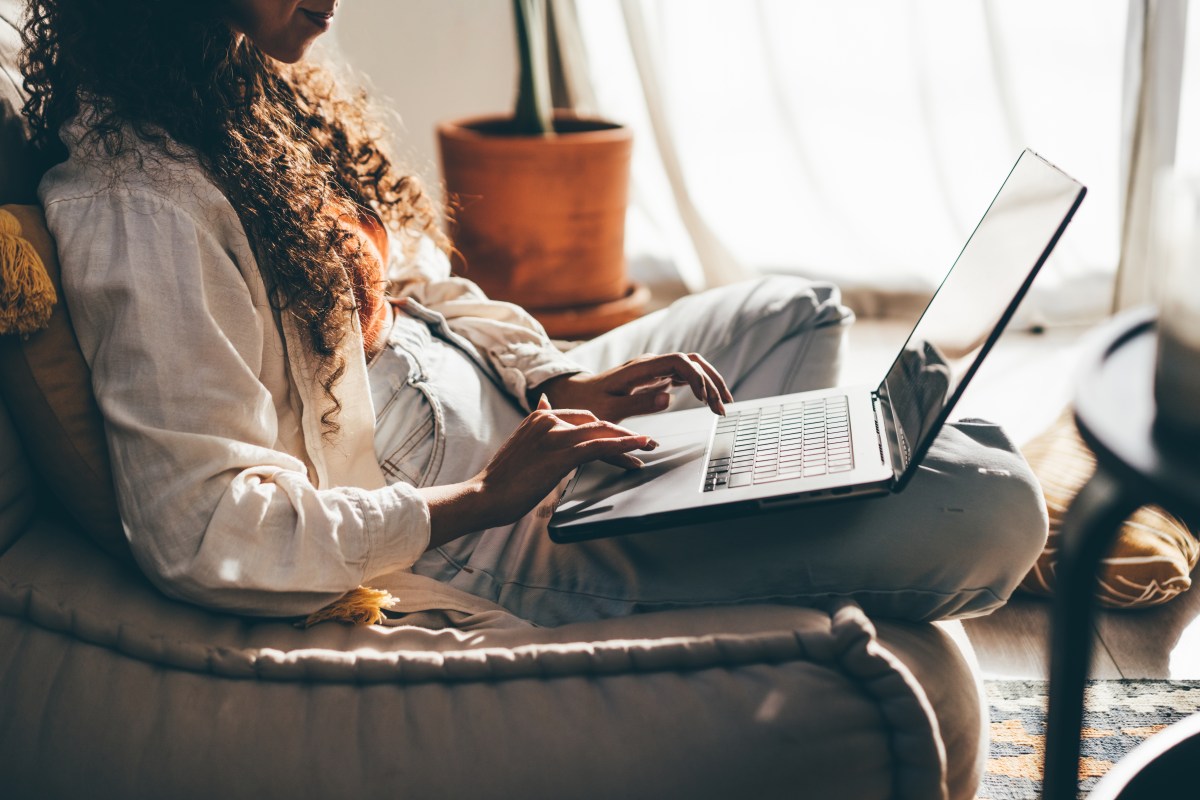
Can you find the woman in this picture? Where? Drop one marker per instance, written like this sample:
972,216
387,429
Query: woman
281,432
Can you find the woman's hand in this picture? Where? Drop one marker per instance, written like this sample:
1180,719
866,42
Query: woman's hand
639,386
544,448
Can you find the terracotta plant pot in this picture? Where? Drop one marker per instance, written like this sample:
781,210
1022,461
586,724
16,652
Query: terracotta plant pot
540,221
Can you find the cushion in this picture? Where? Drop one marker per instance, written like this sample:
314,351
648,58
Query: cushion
1154,553
47,387
16,484
751,700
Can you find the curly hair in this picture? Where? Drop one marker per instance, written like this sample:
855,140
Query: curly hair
290,151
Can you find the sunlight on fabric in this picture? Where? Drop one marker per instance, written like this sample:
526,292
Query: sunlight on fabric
862,141
1187,155
771,705
230,570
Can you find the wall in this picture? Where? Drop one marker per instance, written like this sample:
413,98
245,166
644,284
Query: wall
430,60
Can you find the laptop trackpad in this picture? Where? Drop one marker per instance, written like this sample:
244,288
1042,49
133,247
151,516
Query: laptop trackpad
600,489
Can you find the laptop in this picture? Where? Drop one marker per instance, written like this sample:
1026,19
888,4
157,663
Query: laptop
845,442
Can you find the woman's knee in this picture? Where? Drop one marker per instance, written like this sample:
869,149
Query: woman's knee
987,484
780,320
1015,533
787,304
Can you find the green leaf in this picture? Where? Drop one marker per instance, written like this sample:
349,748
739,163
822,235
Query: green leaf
533,115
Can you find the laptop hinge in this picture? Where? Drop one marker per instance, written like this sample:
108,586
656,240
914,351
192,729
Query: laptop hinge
878,426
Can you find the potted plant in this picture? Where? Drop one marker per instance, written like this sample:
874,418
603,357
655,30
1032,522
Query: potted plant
540,199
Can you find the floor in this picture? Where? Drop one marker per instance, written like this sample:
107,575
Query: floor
1024,384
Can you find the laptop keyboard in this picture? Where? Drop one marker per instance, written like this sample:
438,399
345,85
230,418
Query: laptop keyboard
793,440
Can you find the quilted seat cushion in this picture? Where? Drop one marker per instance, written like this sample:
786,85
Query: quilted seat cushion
149,694
16,484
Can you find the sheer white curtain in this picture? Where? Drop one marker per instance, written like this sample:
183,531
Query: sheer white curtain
860,141
1156,36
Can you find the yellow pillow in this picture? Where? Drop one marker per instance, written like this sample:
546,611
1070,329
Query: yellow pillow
47,386
1154,553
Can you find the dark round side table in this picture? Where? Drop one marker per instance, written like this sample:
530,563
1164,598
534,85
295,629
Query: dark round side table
1114,409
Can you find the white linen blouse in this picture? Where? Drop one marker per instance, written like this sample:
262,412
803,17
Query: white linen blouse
230,495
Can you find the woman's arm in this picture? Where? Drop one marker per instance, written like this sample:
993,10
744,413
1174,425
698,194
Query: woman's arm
188,368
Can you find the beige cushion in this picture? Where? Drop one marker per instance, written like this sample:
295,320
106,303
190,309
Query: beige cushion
16,484
148,695
1154,553
47,387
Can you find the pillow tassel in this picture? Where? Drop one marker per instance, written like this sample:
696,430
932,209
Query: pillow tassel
361,606
27,296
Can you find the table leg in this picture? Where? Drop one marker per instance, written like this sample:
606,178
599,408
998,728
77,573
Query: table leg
1089,529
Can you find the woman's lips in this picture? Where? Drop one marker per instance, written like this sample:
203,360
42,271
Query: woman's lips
321,19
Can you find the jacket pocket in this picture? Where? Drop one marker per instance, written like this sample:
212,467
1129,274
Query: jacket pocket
409,421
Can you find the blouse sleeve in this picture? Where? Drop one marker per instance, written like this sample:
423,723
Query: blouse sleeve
215,512
504,334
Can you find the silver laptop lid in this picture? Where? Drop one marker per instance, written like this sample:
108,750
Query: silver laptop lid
973,304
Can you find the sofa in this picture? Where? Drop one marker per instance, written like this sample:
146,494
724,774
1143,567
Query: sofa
110,689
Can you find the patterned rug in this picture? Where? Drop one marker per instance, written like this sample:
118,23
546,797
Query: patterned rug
1118,716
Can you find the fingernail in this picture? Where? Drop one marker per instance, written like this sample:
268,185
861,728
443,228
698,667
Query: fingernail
637,462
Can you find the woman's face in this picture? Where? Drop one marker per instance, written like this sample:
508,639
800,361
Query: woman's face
283,29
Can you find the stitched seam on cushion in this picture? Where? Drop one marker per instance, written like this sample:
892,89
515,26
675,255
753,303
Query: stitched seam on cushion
720,601
470,669
866,684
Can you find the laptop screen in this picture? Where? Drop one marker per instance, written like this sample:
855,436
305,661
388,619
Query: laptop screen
973,304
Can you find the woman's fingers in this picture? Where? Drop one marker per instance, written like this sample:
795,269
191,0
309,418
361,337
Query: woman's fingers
605,441
614,451
648,370
633,405
703,386
570,427
712,373
665,382
575,416
624,461
681,368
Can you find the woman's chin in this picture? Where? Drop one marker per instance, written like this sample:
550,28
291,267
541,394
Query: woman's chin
287,52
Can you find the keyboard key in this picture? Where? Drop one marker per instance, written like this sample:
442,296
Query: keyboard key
806,438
